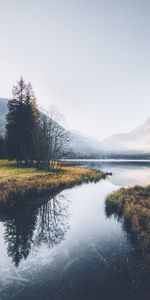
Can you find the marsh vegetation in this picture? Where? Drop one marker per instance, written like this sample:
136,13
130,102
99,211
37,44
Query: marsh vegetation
132,207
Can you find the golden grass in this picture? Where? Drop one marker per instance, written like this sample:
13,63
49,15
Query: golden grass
133,204
20,182
10,170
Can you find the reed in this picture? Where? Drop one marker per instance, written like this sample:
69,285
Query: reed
133,206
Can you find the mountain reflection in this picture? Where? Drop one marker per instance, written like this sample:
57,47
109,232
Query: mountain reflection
30,227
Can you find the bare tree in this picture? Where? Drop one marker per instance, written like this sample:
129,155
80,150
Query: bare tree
56,139
52,223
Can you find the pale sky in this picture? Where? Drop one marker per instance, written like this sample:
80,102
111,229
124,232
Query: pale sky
89,58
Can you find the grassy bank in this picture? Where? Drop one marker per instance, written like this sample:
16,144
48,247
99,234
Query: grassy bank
20,182
133,204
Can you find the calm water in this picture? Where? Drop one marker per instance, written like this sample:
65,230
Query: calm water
68,249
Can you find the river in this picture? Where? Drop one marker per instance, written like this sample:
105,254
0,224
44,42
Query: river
68,249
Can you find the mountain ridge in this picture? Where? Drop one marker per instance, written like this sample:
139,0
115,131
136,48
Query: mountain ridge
137,141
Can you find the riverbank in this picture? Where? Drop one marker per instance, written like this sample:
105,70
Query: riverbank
133,204
18,183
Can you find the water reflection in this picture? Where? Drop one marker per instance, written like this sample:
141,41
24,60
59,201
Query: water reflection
28,228
52,222
94,259
125,172
138,230
19,233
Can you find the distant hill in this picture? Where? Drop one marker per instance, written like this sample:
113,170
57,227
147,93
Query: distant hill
3,112
85,145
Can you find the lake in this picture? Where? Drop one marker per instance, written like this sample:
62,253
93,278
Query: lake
68,249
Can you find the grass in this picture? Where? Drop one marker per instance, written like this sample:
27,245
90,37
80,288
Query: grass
21,182
133,204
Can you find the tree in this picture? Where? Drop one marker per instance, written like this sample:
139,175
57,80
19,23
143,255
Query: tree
55,140
23,121
14,121
3,151
32,136
32,126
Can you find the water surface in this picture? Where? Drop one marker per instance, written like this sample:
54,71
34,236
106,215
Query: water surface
67,248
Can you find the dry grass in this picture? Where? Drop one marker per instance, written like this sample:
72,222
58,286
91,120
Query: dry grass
20,182
133,204
10,170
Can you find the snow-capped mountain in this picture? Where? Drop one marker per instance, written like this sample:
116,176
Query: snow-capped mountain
135,140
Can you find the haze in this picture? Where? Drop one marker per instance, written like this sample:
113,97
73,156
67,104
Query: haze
91,59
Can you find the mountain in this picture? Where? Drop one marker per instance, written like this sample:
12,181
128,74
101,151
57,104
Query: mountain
79,145
85,145
134,142
137,140
3,112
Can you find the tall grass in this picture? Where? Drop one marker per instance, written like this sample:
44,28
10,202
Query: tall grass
20,182
133,204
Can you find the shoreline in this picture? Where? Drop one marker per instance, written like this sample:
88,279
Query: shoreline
25,183
132,206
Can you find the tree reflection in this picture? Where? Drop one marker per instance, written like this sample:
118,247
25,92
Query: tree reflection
30,227
18,235
52,222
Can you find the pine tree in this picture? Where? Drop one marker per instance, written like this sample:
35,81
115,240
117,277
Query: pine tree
31,125
23,124
15,121
3,153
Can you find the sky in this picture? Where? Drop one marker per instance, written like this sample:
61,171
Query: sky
88,58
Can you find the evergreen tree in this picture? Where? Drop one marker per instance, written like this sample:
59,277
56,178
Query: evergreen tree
23,122
31,126
3,153
15,121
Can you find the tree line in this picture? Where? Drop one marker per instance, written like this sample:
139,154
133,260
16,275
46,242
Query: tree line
32,137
